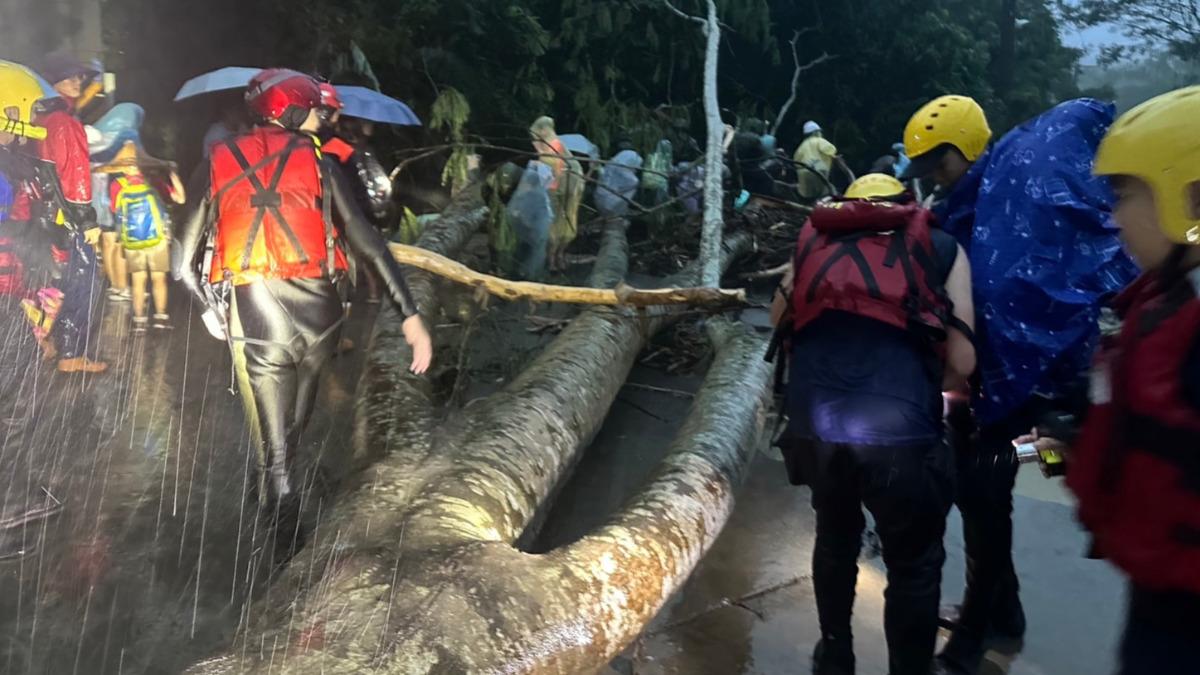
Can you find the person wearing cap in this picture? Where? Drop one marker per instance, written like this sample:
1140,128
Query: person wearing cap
878,308
66,147
1045,256
279,215
815,158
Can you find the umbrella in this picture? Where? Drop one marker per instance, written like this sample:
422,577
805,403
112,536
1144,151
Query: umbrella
578,144
371,105
222,79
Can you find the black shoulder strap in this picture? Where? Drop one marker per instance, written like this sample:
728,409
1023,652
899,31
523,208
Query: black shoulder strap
327,219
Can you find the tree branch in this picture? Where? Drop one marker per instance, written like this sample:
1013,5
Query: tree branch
622,295
685,15
787,106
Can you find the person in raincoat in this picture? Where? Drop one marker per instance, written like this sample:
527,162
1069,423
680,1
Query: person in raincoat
815,158
66,146
109,136
531,214
566,187
619,183
1045,255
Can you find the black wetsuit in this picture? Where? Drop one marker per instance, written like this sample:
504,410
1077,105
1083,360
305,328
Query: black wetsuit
284,330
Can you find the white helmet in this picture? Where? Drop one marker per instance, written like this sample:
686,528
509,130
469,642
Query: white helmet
811,127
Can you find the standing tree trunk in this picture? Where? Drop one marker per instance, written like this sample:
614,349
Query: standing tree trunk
714,199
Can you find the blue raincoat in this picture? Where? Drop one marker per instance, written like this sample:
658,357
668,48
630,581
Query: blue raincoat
1044,254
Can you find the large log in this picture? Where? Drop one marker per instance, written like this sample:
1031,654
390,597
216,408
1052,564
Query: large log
417,570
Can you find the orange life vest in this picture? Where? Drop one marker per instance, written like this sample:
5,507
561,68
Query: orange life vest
273,217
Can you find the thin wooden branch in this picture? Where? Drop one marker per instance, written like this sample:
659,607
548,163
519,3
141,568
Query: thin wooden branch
787,106
685,15
622,295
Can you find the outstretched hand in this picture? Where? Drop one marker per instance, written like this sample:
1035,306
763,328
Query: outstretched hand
1042,443
417,337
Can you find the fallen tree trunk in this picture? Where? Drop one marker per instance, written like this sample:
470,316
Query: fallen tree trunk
417,569
622,295
391,386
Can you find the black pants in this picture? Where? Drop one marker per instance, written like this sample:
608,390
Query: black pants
909,491
80,286
987,471
284,332
1161,634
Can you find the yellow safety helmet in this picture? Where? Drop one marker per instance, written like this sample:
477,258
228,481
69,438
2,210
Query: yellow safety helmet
875,186
949,120
1159,143
20,89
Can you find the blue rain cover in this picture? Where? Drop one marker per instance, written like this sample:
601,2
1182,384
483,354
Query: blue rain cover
531,213
1044,254
618,184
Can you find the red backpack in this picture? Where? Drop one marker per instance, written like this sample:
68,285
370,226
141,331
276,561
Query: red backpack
874,259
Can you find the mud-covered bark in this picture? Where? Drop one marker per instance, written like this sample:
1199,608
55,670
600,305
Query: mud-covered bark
417,570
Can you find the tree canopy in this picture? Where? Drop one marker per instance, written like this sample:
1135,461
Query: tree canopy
1153,25
627,69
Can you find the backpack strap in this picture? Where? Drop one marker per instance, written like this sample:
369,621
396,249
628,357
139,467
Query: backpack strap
327,220
847,247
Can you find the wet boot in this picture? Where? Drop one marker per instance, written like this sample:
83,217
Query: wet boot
962,654
833,657
1008,621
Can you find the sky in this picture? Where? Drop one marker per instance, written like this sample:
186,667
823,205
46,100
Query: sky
1092,38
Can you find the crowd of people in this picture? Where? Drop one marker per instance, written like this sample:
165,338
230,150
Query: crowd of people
264,247
933,345
926,339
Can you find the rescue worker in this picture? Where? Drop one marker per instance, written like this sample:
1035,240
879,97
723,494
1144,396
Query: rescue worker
279,214
1133,466
879,307
1038,308
66,147
372,185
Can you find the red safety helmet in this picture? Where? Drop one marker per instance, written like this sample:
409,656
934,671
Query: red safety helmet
283,95
330,98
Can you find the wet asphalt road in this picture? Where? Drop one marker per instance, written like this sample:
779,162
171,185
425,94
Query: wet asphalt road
149,565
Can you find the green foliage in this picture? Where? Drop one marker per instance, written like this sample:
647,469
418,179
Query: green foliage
449,115
629,69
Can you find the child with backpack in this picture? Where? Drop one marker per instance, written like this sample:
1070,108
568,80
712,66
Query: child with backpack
144,230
